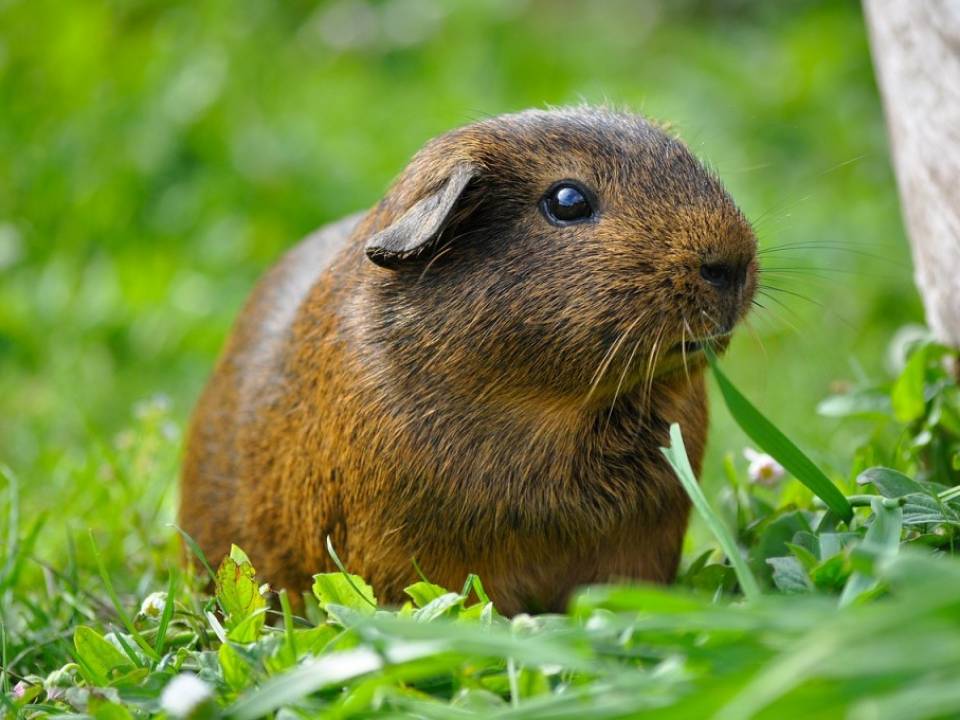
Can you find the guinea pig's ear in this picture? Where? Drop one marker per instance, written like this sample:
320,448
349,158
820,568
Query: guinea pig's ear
415,233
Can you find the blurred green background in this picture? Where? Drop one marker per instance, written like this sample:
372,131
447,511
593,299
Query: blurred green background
156,157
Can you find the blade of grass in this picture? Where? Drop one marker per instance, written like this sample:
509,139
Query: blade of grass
289,636
167,614
765,434
676,455
305,679
128,650
473,582
13,524
342,568
114,598
416,566
4,683
195,549
24,550
513,682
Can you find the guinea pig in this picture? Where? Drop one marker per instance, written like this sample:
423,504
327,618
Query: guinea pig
478,372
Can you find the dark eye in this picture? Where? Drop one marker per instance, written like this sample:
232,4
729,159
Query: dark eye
566,203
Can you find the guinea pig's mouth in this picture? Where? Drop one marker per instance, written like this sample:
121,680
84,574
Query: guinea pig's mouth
689,347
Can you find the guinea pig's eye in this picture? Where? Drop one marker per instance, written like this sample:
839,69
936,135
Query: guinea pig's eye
566,203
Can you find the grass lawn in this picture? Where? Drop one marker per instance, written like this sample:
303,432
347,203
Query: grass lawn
156,157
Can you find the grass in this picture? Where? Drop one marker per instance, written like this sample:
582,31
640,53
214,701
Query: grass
797,610
156,157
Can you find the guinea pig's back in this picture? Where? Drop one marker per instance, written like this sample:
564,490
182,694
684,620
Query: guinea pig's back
248,377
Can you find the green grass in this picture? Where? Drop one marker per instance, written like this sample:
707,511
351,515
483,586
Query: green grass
156,157
803,613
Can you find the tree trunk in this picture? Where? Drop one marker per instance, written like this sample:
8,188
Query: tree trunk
916,53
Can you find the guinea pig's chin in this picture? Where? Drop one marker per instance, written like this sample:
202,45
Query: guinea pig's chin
688,355
679,363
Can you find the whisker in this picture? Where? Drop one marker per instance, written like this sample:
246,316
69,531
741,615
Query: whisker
796,247
843,164
623,374
810,270
759,340
813,281
654,353
777,211
656,356
831,278
794,293
831,310
746,169
603,361
716,326
610,354
683,347
768,311
820,244
786,308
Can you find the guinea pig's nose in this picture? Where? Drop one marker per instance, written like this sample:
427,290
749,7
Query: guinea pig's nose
723,275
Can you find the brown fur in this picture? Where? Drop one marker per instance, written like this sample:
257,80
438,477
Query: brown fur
490,395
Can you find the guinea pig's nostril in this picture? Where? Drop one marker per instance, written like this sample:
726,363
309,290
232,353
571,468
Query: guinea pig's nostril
720,275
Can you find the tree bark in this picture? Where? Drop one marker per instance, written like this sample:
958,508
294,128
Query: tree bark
916,54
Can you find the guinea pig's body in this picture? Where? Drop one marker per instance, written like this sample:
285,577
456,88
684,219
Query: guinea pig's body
479,372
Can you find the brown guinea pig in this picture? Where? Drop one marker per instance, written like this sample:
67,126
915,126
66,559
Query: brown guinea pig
479,371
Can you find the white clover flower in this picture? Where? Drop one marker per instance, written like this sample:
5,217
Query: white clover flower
153,604
184,694
523,624
763,469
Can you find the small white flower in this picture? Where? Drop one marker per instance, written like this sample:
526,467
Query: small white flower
599,621
763,469
153,604
523,624
184,694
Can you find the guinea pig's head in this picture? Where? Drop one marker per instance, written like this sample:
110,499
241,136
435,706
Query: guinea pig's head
580,252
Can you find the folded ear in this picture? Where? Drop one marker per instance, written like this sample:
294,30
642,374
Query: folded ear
415,233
